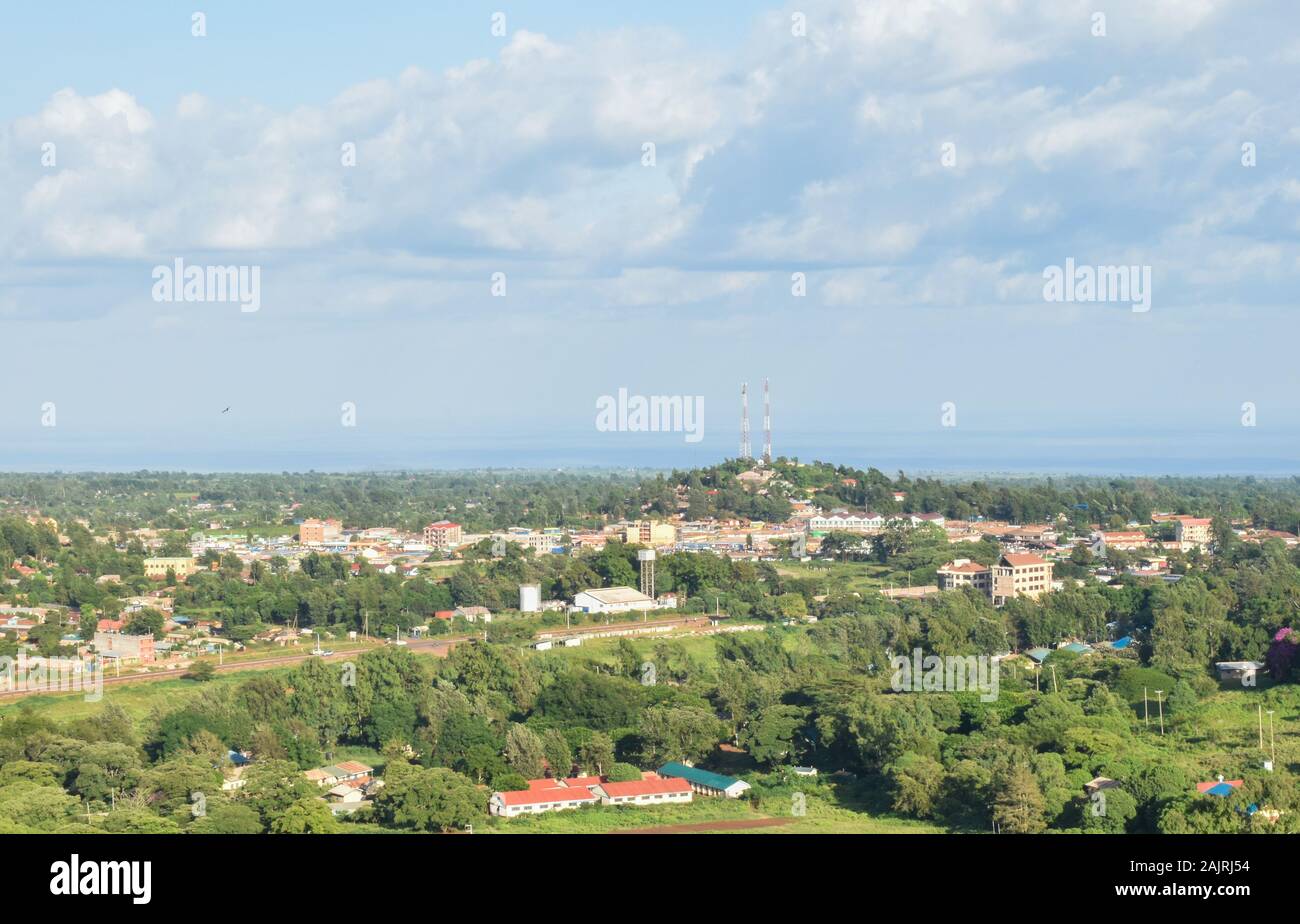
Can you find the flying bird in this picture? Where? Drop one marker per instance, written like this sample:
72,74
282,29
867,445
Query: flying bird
227,409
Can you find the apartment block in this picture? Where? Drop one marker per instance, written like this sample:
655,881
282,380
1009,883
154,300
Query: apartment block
156,568
320,532
650,532
1192,532
1014,575
443,535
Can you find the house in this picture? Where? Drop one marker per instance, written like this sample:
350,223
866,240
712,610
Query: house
921,519
644,792
1096,784
473,613
962,572
705,782
17,625
1238,670
613,600
346,794
345,771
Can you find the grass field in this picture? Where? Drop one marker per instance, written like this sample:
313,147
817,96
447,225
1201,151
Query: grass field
138,699
839,577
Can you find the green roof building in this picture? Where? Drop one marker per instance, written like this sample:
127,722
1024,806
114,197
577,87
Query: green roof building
705,782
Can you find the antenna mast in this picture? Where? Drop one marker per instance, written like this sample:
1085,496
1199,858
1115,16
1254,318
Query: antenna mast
745,451
767,425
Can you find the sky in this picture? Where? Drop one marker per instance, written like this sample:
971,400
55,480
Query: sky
855,201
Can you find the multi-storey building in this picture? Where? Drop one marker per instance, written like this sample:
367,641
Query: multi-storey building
650,532
963,572
319,532
1014,575
125,647
443,535
845,521
1124,540
1191,532
156,568
1020,574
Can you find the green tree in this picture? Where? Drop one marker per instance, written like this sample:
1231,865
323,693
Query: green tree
309,815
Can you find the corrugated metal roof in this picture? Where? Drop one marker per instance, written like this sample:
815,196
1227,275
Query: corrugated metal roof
696,775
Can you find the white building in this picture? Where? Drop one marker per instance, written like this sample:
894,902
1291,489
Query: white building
534,801
844,521
613,600
644,792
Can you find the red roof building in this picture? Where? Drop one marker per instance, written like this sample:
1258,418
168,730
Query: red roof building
645,792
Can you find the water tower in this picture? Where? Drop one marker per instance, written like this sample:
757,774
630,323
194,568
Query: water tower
647,559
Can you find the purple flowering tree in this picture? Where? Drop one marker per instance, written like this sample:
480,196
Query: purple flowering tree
1281,655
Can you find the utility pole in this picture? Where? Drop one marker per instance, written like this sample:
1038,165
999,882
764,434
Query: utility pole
1055,688
1260,706
1272,746
1160,704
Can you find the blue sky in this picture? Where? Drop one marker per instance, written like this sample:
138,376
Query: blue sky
821,153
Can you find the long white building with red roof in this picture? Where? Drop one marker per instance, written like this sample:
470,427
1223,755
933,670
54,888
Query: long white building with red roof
554,795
